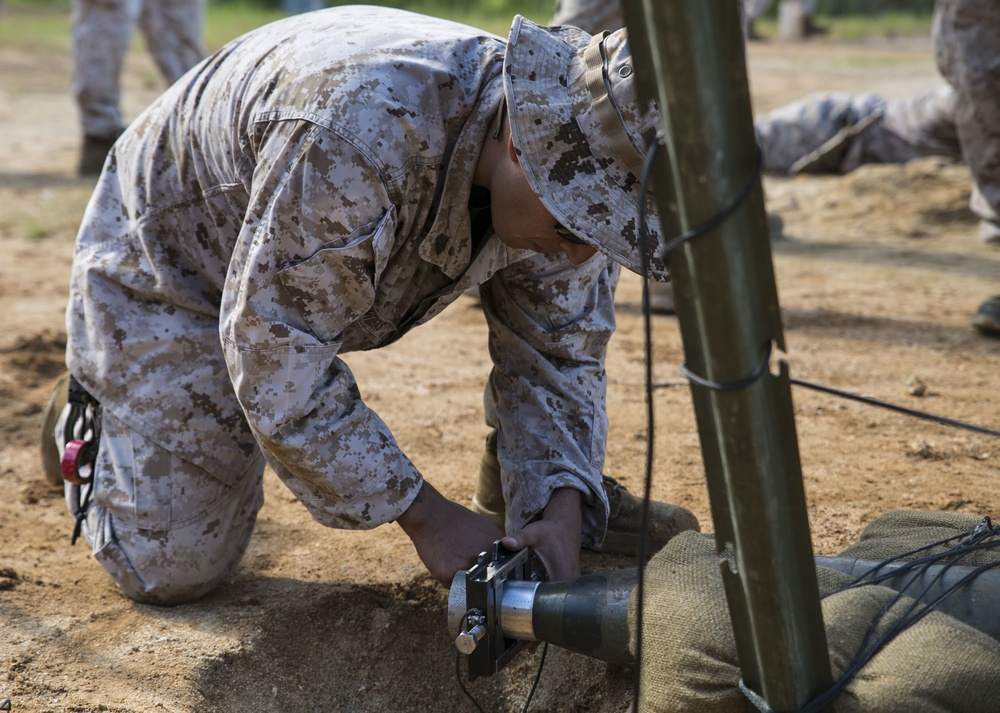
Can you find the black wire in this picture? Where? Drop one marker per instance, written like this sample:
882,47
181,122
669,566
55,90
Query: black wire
909,561
458,670
458,676
647,484
732,385
538,675
984,536
534,685
893,407
716,220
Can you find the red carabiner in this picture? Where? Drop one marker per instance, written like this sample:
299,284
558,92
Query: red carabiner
70,463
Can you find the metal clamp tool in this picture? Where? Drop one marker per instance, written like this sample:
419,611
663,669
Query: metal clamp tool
489,608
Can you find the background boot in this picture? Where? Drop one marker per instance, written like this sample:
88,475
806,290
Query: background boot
811,29
50,416
488,498
661,298
625,520
987,317
94,152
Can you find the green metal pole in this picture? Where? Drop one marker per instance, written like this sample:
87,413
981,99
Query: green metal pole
690,59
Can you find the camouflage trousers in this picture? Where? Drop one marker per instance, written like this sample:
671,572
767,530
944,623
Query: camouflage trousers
165,530
102,31
966,36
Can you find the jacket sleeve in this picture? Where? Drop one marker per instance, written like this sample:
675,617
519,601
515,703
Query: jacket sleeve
550,323
319,229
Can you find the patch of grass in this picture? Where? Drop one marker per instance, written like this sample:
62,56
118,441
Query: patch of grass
38,27
45,24
35,231
224,22
229,20
889,25
35,211
860,28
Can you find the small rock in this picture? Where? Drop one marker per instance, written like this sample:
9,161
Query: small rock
916,386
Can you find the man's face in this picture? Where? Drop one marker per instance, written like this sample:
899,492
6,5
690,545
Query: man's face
521,221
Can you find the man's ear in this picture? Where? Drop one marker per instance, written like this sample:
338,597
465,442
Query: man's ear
511,151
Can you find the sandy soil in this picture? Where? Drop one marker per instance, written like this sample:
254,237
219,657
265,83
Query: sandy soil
878,275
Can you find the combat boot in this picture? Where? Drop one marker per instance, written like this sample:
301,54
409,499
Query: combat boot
811,29
50,416
625,522
488,498
989,232
987,317
661,298
94,152
624,518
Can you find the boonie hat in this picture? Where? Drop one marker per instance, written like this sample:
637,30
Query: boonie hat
577,127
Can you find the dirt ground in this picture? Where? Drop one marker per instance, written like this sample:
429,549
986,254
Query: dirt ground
878,274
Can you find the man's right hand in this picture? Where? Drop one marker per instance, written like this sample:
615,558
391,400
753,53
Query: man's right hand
447,536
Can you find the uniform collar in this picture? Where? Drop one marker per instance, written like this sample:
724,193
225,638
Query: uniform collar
448,244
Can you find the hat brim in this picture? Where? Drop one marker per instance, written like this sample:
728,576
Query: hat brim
546,92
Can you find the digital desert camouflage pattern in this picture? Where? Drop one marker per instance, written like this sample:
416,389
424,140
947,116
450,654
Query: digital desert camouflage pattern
101,33
893,131
967,49
579,130
164,529
295,199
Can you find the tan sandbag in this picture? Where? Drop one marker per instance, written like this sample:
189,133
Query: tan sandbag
899,531
689,655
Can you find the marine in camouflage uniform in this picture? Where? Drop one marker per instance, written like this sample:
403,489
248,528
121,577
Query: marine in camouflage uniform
838,132
967,50
295,199
101,33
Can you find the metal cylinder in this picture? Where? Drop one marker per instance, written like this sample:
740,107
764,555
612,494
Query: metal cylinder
516,606
975,602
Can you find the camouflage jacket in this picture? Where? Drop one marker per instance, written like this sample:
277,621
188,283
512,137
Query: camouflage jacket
301,194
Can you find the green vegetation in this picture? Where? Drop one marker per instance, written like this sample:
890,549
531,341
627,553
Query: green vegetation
39,26
843,8
44,24
858,28
889,25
